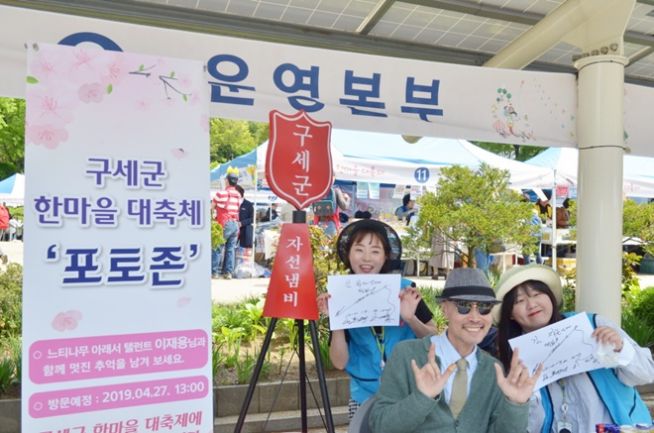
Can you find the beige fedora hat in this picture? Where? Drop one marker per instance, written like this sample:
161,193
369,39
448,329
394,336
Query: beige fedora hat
519,274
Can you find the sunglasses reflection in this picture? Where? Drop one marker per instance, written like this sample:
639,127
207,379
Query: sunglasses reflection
465,307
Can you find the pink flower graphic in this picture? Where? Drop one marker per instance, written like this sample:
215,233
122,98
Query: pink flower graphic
46,135
143,105
115,71
66,321
178,152
87,65
204,122
92,92
50,107
183,301
48,66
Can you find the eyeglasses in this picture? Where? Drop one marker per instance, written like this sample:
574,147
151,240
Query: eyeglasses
465,307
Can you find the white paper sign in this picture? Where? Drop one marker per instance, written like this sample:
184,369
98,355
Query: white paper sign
363,300
564,348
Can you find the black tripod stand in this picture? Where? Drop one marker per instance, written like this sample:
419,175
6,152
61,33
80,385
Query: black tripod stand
298,217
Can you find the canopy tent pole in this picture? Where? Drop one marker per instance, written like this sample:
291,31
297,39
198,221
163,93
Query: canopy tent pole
554,234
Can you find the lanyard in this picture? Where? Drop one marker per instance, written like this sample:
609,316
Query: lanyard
564,402
380,342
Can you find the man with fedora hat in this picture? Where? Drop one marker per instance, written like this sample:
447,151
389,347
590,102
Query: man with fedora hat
226,204
445,383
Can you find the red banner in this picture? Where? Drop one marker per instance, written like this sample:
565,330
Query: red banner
292,287
299,158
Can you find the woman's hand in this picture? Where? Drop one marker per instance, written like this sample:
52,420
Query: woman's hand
606,335
518,385
429,379
323,306
409,300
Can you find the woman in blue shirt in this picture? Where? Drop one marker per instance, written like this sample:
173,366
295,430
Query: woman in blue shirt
372,247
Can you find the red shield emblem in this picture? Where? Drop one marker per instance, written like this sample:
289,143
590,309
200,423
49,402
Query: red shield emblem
299,158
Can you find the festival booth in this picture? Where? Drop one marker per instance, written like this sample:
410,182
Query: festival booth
638,180
12,190
638,183
377,169
378,158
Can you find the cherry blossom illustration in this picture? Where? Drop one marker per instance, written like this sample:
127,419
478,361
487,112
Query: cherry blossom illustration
66,321
204,122
48,136
53,105
92,92
62,79
172,85
179,152
183,301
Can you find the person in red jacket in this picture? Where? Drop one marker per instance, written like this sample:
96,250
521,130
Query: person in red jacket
4,221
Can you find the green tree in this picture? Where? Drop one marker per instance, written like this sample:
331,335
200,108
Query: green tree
12,136
478,209
232,138
638,221
513,151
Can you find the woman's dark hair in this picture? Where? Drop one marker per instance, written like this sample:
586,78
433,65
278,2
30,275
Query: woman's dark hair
509,328
361,234
406,199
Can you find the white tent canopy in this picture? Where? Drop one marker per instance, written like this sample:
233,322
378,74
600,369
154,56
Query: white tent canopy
12,190
638,171
388,158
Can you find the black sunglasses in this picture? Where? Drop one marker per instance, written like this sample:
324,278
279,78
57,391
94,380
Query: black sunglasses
464,307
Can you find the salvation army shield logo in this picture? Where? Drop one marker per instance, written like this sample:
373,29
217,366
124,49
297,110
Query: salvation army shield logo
299,158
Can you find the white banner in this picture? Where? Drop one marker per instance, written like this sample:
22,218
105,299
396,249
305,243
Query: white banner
638,120
116,303
249,78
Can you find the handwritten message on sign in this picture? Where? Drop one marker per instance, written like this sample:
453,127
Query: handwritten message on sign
564,348
363,300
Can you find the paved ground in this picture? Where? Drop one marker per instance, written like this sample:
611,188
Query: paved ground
234,290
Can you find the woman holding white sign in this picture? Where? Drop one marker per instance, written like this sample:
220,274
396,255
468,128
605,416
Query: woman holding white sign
531,296
372,247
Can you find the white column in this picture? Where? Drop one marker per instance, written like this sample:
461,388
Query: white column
600,135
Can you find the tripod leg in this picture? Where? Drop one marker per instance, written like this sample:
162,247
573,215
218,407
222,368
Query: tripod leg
303,375
321,377
255,376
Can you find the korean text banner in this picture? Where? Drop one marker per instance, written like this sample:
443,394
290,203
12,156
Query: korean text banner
247,79
116,304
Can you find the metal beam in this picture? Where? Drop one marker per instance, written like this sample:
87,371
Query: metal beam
200,21
374,16
642,53
481,10
250,28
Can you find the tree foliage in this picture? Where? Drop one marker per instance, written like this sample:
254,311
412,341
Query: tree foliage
638,221
477,209
232,138
12,136
512,151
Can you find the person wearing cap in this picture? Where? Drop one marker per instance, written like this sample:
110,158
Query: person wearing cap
419,391
226,205
531,297
372,247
